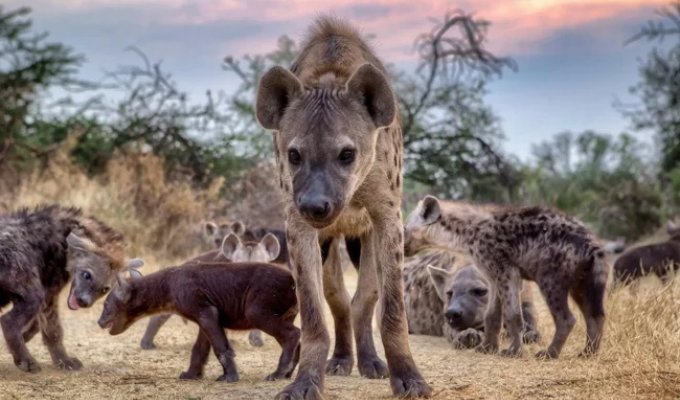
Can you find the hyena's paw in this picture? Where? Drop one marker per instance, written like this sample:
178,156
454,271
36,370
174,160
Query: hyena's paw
275,376
339,366
468,339
373,368
147,345
531,336
28,365
511,352
487,348
229,377
301,389
69,364
547,354
410,386
190,375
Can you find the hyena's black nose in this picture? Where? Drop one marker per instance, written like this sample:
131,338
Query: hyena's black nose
453,315
315,207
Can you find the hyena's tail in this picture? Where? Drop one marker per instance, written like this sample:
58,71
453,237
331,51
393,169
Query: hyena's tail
596,281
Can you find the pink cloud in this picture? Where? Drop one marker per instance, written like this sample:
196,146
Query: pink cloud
518,25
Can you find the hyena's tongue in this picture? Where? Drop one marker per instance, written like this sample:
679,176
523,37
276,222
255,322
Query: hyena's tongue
72,302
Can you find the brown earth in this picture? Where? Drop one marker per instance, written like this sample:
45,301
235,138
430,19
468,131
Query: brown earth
639,359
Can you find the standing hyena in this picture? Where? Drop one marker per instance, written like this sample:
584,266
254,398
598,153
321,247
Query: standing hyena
338,146
40,251
232,249
508,245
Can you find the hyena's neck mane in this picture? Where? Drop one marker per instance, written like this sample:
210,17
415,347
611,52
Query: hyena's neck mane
459,225
331,51
108,240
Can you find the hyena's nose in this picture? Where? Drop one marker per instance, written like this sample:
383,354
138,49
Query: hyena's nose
315,207
453,315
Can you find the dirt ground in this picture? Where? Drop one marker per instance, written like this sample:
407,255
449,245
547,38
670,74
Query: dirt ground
117,368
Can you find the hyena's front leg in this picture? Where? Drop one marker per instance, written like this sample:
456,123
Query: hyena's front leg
405,379
338,300
305,258
363,304
53,334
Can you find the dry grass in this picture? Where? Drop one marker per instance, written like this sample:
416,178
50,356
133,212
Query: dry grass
640,355
640,359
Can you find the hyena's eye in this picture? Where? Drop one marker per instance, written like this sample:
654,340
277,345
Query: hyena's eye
347,156
86,275
105,289
479,292
294,157
449,294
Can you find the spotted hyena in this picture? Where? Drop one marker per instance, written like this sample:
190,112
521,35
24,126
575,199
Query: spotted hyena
217,230
660,259
41,250
338,146
511,244
232,249
446,295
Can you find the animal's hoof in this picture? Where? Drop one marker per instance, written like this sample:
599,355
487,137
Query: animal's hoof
511,353
339,366
546,355
230,378
301,390
188,375
410,387
373,368
255,339
468,339
147,345
28,365
531,336
69,364
487,348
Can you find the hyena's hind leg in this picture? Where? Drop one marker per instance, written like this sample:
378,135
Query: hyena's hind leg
589,296
336,295
556,294
492,321
53,335
24,310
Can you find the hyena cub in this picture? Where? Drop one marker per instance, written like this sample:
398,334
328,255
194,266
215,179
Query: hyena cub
217,230
446,295
533,243
216,296
232,249
40,251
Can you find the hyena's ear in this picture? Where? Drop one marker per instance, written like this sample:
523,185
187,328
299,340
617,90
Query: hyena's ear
133,265
79,243
277,88
210,228
238,228
230,243
430,210
123,291
369,85
438,277
271,244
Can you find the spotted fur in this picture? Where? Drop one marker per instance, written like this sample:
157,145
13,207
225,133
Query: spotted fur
510,244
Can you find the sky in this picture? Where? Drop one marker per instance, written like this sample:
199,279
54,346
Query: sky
573,64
